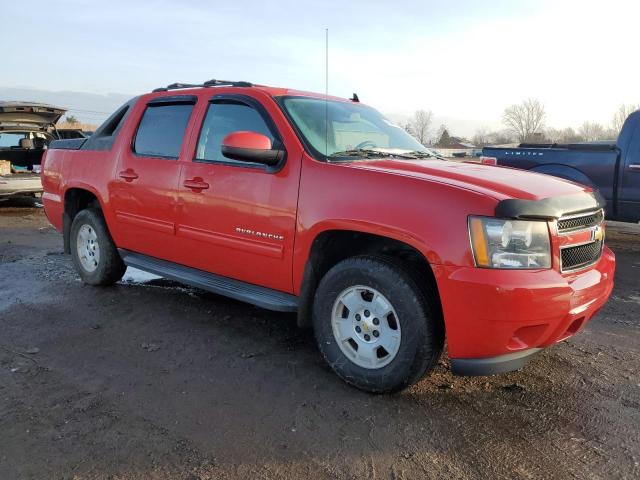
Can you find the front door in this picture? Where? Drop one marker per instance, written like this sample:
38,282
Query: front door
237,219
145,190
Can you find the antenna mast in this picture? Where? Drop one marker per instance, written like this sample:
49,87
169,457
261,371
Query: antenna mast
326,92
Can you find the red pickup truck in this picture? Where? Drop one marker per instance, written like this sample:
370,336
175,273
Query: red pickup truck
297,202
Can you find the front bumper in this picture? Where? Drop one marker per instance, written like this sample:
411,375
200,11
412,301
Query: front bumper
493,365
497,320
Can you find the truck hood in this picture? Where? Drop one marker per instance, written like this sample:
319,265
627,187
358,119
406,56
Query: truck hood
501,183
28,116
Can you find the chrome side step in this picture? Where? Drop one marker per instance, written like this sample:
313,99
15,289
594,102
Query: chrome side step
245,292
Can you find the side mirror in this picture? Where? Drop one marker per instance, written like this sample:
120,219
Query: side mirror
251,147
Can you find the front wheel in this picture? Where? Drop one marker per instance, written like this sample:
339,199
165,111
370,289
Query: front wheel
375,326
94,254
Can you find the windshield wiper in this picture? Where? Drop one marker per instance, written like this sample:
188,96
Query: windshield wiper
419,154
359,152
367,153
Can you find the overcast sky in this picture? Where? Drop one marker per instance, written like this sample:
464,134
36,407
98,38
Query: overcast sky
464,60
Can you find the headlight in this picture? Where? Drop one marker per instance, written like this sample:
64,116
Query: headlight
498,243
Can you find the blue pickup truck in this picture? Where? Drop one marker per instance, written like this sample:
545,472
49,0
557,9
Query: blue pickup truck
613,168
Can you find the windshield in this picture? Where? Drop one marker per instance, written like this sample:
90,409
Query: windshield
354,130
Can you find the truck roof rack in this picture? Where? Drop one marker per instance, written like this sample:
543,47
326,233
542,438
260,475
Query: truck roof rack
208,83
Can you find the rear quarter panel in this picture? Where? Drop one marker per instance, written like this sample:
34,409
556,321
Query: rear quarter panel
66,169
52,185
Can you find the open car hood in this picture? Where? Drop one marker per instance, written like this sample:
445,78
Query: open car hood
28,116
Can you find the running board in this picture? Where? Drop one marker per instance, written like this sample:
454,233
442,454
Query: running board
245,292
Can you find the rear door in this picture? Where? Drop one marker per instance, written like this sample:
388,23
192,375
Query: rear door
145,190
629,190
237,219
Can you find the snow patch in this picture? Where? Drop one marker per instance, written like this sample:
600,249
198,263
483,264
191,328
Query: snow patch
133,275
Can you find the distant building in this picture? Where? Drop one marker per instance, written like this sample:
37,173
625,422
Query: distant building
449,146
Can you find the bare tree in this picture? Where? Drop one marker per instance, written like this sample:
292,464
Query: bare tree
481,137
592,131
419,125
438,135
568,135
611,134
524,119
502,137
71,120
621,115
553,135
407,127
561,135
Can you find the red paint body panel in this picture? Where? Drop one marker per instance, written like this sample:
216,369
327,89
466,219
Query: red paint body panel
243,225
498,182
498,303
259,226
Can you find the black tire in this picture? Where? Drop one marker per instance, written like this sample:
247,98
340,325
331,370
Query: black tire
422,332
110,268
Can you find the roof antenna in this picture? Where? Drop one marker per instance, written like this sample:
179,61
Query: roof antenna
355,98
326,92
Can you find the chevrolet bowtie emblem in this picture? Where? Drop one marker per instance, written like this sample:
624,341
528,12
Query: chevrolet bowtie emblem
597,234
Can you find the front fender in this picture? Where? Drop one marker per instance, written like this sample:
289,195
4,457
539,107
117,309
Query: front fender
306,238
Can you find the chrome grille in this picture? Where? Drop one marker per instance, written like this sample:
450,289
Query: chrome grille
579,222
577,256
574,258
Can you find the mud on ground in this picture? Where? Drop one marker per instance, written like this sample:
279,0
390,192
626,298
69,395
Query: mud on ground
148,379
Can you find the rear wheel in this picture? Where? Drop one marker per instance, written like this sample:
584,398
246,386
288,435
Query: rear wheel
375,326
94,254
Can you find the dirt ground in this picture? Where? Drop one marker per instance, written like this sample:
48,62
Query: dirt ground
155,380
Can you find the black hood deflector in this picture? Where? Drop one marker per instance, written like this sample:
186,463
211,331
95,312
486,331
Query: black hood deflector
550,208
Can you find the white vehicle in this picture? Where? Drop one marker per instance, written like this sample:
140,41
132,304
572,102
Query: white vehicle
25,132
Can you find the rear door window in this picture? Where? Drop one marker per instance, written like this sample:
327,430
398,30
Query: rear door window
161,130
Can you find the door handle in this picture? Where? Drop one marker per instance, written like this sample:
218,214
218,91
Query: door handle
129,175
196,184
634,166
